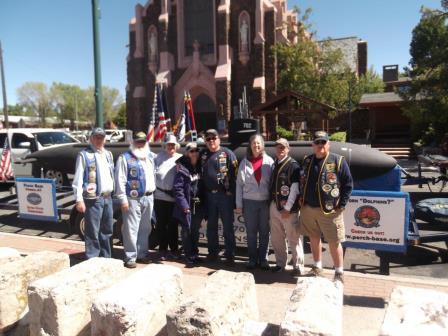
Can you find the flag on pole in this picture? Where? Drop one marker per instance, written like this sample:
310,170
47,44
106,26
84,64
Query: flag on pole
152,118
5,163
191,123
160,131
181,125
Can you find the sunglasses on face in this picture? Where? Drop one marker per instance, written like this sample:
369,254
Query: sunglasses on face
210,139
193,151
320,142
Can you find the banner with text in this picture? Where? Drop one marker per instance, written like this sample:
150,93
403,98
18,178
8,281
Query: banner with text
377,220
37,199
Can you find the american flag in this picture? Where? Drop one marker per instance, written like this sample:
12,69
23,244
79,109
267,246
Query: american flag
152,119
161,129
6,164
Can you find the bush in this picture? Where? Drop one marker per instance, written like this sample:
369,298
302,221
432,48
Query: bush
339,136
284,133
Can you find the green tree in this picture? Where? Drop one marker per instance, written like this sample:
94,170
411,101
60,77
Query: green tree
37,99
120,118
426,99
319,71
69,100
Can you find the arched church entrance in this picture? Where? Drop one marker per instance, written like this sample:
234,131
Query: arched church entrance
205,112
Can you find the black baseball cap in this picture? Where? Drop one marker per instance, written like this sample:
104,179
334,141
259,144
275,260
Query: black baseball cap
211,132
320,136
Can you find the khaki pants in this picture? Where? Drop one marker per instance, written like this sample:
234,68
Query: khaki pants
282,229
314,223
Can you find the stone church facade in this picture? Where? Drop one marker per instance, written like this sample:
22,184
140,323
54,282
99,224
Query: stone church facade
211,48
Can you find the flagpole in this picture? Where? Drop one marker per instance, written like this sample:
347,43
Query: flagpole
5,102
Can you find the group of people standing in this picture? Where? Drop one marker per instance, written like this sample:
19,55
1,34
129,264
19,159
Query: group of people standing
280,200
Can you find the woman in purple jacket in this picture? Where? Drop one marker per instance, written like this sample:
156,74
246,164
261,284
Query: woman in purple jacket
188,208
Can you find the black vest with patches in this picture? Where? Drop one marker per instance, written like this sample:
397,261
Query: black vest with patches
281,183
328,187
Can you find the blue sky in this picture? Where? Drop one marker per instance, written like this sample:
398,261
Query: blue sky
51,40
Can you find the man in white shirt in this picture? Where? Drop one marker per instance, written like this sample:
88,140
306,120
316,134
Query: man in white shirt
135,183
93,185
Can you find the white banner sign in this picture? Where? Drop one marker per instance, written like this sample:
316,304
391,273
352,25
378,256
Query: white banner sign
377,220
37,199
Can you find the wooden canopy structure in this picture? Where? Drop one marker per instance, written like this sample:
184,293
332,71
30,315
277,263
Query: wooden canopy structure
292,111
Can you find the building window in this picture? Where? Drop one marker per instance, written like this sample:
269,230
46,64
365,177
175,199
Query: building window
199,25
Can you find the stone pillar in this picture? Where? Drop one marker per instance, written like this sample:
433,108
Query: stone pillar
223,307
137,305
315,308
15,276
60,304
270,57
416,311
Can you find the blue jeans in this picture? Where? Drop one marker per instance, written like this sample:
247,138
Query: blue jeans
220,205
190,236
98,227
137,227
256,218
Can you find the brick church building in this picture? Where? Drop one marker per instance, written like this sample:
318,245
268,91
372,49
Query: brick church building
211,48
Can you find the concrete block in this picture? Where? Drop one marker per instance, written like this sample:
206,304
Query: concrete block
222,307
315,308
138,304
8,254
60,304
15,276
255,328
416,311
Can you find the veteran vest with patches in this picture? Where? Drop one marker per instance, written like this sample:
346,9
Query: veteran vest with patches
281,183
328,184
92,176
136,180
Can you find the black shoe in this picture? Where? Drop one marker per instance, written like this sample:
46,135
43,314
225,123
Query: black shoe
264,265
338,276
296,273
212,258
230,260
144,260
130,264
315,272
251,265
276,269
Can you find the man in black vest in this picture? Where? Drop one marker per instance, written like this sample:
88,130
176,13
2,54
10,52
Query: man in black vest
326,186
283,209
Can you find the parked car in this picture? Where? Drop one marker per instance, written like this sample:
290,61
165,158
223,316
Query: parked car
24,141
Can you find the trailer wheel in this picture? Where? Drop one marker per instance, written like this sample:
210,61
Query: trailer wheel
60,178
80,225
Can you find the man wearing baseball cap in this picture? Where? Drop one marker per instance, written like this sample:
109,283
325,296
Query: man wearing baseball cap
219,165
283,209
93,185
135,182
326,186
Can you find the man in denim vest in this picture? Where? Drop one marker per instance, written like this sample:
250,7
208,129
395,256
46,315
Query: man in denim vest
93,185
135,181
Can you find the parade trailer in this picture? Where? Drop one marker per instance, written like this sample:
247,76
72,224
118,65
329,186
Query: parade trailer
379,215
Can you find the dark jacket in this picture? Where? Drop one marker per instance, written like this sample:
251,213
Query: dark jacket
186,187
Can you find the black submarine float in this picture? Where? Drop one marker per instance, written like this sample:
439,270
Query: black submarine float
371,169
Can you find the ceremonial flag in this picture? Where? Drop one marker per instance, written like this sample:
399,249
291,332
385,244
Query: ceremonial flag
152,119
5,163
191,123
180,127
160,131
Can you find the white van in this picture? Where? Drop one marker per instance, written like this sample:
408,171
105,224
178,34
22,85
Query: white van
23,141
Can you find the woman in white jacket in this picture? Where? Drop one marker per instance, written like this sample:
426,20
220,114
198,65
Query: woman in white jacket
252,199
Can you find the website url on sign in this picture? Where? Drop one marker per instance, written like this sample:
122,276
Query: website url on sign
373,239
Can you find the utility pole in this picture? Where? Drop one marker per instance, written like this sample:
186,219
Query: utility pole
5,102
350,110
97,63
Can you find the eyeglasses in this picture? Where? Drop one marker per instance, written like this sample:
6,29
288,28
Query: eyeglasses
210,139
320,142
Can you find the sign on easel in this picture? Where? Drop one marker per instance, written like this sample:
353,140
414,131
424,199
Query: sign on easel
377,220
37,199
